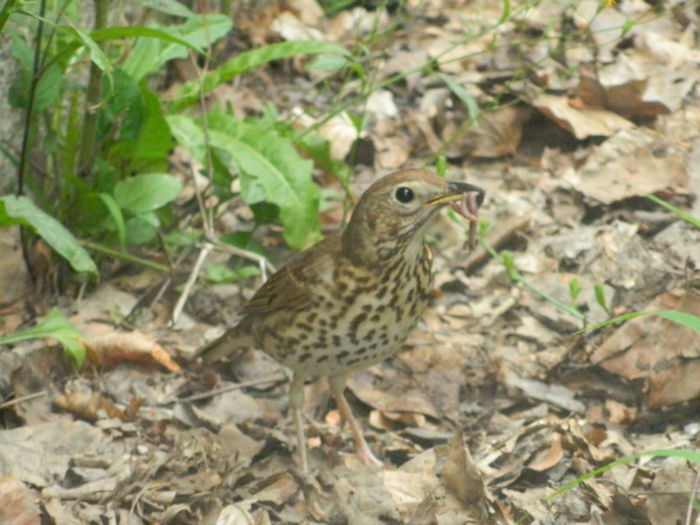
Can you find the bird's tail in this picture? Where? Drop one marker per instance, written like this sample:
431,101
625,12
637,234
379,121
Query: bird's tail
238,337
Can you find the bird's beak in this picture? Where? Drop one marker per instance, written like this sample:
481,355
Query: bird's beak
464,198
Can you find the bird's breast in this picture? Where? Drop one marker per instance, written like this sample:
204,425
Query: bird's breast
357,316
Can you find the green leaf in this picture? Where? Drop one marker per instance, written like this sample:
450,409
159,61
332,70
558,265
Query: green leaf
682,214
272,170
144,193
269,166
509,265
96,54
441,165
48,89
188,134
688,320
505,13
319,149
150,54
169,7
82,39
461,94
5,12
628,26
142,228
248,60
244,241
219,273
116,213
55,326
124,108
574,288
328,62
117,32
144,135
688,455
21,210
600,296
154,140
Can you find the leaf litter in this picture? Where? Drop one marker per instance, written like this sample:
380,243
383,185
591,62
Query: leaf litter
493,404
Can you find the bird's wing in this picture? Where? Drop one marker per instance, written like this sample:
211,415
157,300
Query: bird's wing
292,286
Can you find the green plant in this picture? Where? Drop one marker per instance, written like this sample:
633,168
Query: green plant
506,258
688,455
107,141
54,326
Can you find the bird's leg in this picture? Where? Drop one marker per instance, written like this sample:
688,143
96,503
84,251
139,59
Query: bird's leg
337,386
296,403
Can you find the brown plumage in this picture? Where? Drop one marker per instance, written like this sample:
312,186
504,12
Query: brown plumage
352,299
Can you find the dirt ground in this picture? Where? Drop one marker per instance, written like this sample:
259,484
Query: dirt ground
495,411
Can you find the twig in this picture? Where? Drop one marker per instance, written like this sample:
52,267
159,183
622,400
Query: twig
204,252
691,498
124,256
262,262
22,399
205,395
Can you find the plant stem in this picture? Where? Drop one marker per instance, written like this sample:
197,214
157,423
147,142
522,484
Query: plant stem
124,256
514,275
92,100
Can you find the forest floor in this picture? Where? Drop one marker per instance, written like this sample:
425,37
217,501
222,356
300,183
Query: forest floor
495,403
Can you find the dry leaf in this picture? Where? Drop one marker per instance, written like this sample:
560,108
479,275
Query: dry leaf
113,348
17,503
88,405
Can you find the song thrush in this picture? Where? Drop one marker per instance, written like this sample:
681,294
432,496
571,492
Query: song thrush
352,299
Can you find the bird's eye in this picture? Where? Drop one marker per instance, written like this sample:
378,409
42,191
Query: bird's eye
404,194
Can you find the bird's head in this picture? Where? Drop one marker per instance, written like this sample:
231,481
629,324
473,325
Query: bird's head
393,213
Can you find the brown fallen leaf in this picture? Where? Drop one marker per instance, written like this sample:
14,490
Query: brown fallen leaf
547,458
658,355
17,503
113,348
87,405
461,476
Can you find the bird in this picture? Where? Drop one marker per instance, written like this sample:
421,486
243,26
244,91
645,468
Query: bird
352,299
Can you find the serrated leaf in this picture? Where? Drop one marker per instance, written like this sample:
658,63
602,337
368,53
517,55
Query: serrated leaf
188,134
21,210
144,193
270,168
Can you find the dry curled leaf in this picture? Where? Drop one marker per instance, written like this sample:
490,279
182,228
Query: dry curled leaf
88,405
111,349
